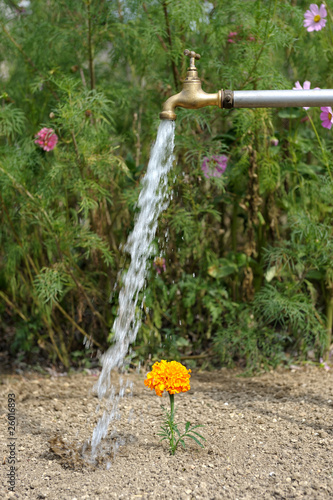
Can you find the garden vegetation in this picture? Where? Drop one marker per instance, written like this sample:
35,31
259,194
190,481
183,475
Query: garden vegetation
243,269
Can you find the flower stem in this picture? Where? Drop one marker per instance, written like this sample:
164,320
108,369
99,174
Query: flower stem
172,404
90,48
321,147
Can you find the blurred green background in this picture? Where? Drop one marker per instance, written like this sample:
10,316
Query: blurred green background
248,255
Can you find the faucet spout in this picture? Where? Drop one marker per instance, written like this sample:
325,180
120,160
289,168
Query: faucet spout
191,99
192,96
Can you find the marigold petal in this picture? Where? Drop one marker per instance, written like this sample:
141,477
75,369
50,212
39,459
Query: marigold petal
172,377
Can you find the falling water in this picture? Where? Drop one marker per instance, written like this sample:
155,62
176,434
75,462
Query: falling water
152,201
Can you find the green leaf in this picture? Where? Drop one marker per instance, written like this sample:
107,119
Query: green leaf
315,274
289,113
176,430
261,219
224,268
196,426
188,425
157,317
195,439
181,342
197,434
12,121
182,443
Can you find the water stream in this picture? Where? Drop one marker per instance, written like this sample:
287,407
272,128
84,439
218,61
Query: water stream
152,201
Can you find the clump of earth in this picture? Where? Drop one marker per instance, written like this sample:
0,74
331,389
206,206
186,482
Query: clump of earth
267,437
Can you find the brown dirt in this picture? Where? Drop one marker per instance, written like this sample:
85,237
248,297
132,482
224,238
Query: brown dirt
268,437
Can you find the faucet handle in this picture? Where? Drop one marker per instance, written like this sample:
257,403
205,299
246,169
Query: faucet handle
192,55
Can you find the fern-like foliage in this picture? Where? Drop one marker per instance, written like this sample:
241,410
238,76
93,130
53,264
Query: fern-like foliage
262,229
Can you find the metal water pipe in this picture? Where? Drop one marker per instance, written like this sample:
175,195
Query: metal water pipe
193,97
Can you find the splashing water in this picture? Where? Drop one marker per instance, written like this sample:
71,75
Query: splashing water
152,201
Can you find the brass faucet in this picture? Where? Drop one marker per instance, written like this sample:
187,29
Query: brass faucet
192,96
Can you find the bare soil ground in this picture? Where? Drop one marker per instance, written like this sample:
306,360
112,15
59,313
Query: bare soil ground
268,437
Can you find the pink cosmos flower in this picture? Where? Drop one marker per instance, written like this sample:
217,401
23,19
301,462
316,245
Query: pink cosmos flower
214,166
306,86
46,139
231,36
159,264
314,17
326,117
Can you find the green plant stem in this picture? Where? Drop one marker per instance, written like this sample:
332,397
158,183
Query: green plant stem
29,261
12,305
49,228
321,147
168,30
77,152
254,67
152,22
76,325
53,342
172,405
331,16
234,226
63,359
90,49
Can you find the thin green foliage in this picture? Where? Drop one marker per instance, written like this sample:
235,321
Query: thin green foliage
256,241
171,433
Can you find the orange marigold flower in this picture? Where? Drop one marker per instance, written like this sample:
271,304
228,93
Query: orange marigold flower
172,377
